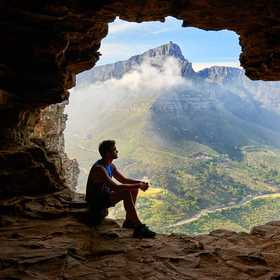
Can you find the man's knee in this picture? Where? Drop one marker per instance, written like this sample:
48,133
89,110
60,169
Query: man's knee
126,194
134,191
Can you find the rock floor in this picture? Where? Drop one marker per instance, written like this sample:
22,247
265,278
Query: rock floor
65,247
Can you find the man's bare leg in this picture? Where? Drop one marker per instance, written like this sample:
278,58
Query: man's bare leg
134,194
128,202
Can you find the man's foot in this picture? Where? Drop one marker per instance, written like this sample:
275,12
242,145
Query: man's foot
128,224
142,231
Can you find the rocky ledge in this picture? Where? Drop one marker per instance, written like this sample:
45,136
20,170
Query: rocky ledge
72,249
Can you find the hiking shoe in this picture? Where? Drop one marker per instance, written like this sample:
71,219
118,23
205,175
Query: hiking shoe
142,231
128,224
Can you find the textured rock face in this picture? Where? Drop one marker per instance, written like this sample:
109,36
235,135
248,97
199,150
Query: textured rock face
27,171
49,132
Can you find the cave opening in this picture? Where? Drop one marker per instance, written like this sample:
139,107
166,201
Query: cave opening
187,119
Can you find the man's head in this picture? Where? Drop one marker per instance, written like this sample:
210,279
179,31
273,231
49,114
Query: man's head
108,150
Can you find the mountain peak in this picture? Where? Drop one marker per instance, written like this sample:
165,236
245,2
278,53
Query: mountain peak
156,56
168,49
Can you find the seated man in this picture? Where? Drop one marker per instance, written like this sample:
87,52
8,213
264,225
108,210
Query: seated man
102,192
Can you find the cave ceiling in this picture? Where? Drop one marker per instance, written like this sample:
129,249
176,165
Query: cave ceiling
45,44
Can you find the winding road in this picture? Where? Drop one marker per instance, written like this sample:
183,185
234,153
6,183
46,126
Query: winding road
209,211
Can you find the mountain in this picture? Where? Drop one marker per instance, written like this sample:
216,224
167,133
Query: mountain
222,74
219,112
155,56
266,93
205,140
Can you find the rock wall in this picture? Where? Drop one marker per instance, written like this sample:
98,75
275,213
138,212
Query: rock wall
49,133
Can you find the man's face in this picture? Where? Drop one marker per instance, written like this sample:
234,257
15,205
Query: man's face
114,152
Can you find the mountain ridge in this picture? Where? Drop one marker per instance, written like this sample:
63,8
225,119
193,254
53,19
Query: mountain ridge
157,55
170,49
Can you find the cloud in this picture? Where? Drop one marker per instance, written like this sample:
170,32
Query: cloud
147,78
88,104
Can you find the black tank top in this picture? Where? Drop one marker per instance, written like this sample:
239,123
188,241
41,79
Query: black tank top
94,189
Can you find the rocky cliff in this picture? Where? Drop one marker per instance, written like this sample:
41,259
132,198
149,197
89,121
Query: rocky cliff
49,133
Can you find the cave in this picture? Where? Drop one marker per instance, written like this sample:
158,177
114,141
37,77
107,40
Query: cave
43,235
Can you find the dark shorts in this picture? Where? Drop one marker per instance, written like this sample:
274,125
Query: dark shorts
100,201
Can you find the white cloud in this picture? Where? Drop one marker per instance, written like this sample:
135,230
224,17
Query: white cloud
147,78
201,65
88,103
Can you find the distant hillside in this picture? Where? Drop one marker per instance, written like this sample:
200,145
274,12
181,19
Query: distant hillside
238,218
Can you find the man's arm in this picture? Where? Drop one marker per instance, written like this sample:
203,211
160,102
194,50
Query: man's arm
122,179
101,173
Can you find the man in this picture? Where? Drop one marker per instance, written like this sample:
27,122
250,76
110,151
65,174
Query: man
102,192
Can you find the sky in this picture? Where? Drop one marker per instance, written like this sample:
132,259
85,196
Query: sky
202,48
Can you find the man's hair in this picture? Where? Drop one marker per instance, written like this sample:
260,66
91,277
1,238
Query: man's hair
105,146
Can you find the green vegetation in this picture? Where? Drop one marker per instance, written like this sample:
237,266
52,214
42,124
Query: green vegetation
239,218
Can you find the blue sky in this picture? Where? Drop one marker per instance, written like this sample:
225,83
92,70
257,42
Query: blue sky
202,48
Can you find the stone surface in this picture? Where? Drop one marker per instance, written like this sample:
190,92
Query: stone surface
28,171
49,131
71,249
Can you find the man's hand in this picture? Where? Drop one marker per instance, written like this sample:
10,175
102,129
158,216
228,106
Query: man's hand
144,186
